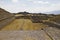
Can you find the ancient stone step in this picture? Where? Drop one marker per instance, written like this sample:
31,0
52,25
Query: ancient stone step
23,35
54,33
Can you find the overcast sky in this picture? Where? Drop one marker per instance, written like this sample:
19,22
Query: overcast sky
30,5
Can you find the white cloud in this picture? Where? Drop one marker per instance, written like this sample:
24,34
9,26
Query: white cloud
13,8
23,5
32,8
41,2
30,0
15,1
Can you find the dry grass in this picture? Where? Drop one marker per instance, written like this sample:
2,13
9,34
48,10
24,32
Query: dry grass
15,25
55,19
23,24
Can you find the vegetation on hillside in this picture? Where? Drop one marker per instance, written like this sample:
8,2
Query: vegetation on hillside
56,19
28,21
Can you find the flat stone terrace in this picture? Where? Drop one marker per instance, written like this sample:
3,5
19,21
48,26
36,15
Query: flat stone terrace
47,33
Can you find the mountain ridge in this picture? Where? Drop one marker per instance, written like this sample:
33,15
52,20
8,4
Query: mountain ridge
54,12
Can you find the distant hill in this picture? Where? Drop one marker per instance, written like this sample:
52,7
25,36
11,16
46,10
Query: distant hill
54,12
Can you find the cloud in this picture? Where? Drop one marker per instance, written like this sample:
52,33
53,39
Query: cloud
41,2
30,0
15,1
14,8
38,2
21,6
24,5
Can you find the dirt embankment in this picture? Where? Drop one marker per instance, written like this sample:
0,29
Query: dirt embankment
5,17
